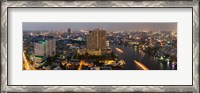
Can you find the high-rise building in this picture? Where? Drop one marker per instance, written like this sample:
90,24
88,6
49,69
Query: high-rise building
69,31
39,53
39,48
51,48
45,48
96,41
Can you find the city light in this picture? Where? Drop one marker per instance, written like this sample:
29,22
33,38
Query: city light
114,46
141,65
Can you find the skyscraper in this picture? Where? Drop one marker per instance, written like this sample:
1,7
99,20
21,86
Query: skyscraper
40,48
96,41
69,31
45,48
39,53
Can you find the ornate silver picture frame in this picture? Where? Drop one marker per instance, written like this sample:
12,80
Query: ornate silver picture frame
5,5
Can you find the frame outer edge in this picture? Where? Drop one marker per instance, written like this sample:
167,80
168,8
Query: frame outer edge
196,47
4,46
4,33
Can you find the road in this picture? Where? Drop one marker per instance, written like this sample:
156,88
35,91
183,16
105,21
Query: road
26,63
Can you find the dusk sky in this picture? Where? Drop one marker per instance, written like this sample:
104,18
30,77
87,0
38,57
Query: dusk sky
126,26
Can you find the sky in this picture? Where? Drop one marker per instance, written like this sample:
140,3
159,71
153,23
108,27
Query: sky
113,26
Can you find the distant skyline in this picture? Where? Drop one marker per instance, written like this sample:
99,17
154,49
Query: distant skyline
113,26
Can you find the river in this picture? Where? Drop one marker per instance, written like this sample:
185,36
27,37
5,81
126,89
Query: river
130,54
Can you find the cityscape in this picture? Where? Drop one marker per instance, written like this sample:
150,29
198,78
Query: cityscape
99,46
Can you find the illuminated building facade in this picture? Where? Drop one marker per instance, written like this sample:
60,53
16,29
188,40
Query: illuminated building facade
46,48
96,42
